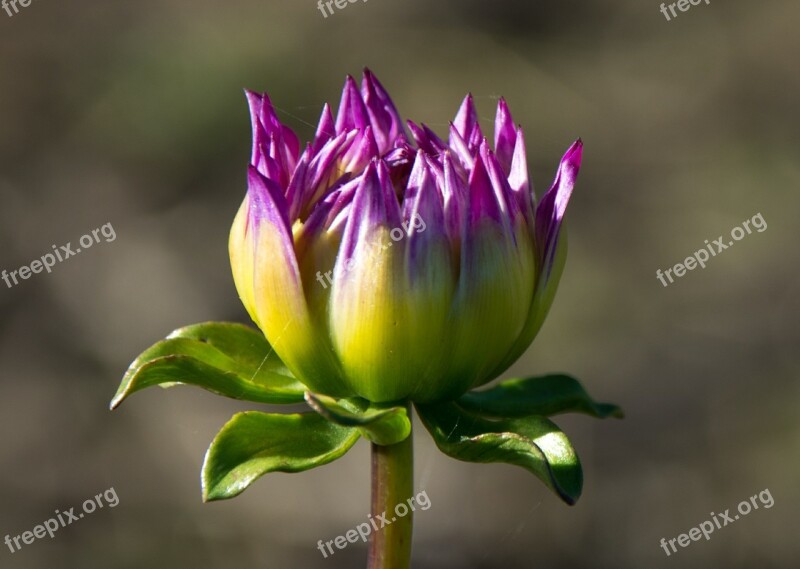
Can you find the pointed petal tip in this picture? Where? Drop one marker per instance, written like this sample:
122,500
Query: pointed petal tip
266,198
253,95
370,171
350,87
573,156
467,105
350,82
466,120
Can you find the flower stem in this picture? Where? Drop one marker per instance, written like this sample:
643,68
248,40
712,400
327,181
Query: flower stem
392,484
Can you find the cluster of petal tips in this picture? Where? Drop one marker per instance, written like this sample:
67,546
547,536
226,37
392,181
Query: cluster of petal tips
384,262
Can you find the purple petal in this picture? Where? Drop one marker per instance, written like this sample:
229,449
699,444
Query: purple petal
277,152
267,115
297,185
326,158
420,175
466,121
518,179
326,129
276,130
269,131
437,143
393,217
267,203
290,147
386,122
462,151
339,213
400,161
426,139
280,302
505,136
267,166
363,149
423,215
482,197
374,205
508,204
315,224
454,194
474,142
551,209
352,112
321,169
255,101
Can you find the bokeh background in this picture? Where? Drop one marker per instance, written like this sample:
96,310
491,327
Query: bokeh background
132,113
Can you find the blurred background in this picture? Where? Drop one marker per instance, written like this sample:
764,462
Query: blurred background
132,113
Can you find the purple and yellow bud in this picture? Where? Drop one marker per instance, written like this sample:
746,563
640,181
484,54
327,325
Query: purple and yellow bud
395,270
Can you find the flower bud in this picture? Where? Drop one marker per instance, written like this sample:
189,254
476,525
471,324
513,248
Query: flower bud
391,267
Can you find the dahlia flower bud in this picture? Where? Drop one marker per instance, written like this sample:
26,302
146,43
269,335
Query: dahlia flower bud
393,267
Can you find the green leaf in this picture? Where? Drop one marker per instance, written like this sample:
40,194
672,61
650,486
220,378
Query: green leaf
546,395
380,425
228,359
252,444
534,443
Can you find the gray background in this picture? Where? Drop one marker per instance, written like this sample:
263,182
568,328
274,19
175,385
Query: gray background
132,113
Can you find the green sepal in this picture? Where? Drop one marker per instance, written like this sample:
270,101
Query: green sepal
252,444
225,358
545,395
534,443
380,425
